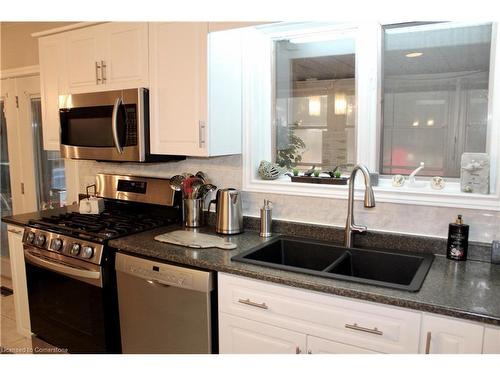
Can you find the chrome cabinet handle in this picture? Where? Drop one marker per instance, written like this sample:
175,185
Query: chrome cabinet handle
297,350
114,117
201,133
355,327
254,304
97,78
103,71
15,231
428,343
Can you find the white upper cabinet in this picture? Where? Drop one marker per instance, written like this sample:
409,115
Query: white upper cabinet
195,89
443,335
108,56
53,81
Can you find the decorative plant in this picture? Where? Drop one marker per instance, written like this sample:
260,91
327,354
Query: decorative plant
316,173
337,174
290,155
295,171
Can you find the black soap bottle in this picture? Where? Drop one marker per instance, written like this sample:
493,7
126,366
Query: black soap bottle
458,240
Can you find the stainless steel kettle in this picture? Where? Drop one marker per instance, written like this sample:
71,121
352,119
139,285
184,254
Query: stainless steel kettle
229,212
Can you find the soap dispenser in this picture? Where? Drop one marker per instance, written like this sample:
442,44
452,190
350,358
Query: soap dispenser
458,240
266,219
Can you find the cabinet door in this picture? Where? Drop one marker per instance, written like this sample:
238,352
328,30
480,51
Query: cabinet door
178,86
491,340
52,83
441,335
243,336
84,55
16,253
126,55
316,345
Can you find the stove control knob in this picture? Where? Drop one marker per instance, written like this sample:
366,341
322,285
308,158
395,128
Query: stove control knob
30,237
40,240
87,252
75,249
56,244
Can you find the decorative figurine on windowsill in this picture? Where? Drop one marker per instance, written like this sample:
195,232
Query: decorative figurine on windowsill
437,182
475,173
412,181
270,171
398,180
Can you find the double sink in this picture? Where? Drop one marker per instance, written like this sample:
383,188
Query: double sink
393,269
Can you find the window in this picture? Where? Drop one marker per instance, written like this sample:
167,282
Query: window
387,96
435,96
315,99
49,166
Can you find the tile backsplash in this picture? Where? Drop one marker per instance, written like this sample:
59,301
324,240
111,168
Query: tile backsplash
389,217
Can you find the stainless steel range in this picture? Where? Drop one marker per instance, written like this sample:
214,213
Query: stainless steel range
70,267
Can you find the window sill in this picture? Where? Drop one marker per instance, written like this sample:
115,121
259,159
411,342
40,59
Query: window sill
450,196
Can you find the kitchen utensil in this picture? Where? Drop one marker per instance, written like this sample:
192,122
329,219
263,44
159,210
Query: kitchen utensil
229,212
204,190
203,176
195,186
187,186
192,212
176,182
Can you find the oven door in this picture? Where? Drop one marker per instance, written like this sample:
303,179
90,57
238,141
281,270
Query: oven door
70,307
104,126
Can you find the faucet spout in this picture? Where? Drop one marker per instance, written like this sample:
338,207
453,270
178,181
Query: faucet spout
369,202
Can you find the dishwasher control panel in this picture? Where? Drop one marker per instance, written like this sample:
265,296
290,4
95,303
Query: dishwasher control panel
156,272
162,274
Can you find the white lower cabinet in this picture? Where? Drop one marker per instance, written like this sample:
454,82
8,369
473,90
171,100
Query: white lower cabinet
263,317
491,340
351,326
243,336
18,270
443,335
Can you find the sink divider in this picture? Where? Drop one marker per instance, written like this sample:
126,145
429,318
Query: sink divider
346,254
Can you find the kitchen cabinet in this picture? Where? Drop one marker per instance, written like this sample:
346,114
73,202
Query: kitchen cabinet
443,335
53,81
195,89
16,253
244,336
108,56
491,343
351,326
316,345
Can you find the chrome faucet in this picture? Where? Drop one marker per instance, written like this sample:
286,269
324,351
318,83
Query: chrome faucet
350,227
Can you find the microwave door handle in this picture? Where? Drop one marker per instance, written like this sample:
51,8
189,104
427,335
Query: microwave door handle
114,124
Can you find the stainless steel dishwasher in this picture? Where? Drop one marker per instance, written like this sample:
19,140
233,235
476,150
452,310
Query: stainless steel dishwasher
165,308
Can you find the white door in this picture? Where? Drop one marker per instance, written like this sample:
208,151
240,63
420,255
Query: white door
243,336
441,335
83,57
316,345
178,85
126,59
52,55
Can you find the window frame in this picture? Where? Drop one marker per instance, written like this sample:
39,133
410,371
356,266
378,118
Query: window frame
258,97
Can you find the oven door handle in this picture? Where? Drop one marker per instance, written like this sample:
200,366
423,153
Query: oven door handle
118,103
61,268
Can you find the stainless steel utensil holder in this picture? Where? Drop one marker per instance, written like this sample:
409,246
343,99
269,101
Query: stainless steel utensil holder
192,210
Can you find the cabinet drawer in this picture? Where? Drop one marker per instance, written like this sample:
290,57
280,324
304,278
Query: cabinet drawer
363,324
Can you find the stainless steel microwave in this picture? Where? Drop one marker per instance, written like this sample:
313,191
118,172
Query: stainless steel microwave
107,126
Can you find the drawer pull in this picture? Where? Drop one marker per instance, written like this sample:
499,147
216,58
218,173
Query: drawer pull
254,304
355,327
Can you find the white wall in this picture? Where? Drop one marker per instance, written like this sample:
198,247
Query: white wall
226,172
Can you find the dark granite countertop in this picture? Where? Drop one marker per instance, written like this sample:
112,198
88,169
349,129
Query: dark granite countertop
468,290
22,219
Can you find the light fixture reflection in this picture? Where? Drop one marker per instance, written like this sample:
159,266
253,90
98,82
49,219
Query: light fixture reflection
340,104
414,54
314,106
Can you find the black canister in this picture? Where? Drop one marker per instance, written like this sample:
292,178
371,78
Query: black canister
458,240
